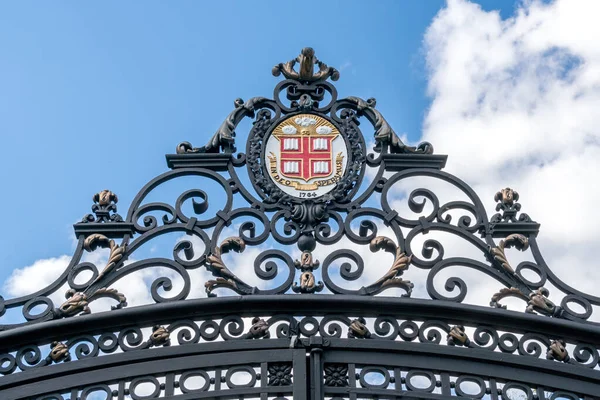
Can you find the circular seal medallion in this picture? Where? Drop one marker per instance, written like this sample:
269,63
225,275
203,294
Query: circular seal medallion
306,156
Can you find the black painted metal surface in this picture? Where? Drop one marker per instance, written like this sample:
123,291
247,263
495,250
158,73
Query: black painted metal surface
305,336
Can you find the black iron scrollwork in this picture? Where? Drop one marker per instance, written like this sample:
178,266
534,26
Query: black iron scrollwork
384,134
367,186
224,139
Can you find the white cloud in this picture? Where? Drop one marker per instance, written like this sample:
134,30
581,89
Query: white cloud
36,276
514,103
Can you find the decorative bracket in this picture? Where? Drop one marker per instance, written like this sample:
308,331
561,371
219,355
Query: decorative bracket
509,221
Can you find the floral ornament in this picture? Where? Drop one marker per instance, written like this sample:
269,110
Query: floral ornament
224,276
258,330
457,336
358,329
289,129
516,240
537,301
115,258
77,302
59,352
305,121
336,375
558,351
280,374
507,292
540,303
392,278
159,337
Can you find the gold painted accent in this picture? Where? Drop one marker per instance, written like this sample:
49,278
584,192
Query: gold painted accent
117,252
215,264
517,240
307,281
160,336
400,264
77,302
358,329
308,284
506,292
507,196
457,336
105,197
59,352
306,73
539,302
258,330
557,351
306,260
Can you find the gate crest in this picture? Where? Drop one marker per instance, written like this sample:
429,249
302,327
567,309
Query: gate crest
315,182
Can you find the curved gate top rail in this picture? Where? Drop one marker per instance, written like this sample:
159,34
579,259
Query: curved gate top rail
307,182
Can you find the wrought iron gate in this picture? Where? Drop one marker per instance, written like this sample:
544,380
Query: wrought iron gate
312,183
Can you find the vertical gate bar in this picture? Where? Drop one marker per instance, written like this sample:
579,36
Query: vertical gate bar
263,380
300,381
398,379
74,393
352,380
541,393
493,389
445,379
121,395
170,384
217,379
316,374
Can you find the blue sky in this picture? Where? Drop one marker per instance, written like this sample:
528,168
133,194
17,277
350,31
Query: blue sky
94,94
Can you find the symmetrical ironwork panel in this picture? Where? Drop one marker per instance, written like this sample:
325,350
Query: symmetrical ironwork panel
308,182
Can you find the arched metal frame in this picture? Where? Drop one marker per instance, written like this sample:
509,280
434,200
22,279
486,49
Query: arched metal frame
288,340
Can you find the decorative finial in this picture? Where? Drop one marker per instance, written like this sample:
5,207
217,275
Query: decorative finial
104,208
507,203
306,72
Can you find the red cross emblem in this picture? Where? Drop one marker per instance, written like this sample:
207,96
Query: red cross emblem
306,156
